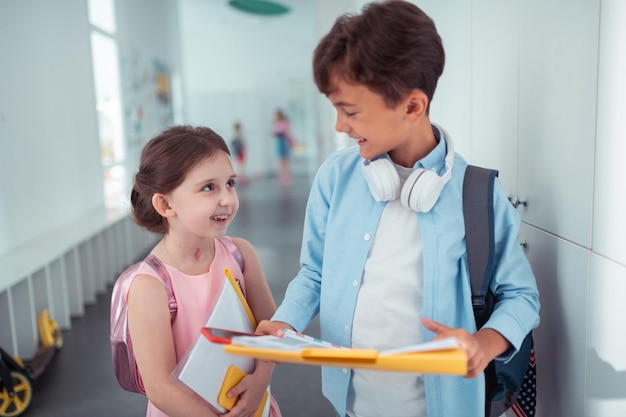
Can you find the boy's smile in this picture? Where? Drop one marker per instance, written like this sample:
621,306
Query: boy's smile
377,129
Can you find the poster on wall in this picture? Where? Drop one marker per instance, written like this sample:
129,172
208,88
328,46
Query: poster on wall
147,96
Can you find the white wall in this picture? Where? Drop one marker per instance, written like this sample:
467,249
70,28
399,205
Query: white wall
50,173
536,89
148,30
49,159
609,227
605,392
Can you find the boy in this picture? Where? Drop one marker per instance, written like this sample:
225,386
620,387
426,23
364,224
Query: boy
383,257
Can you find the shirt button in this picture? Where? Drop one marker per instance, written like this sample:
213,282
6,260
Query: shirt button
355,283
344,370
347,328
367,236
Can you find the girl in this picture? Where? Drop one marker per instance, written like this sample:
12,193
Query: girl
284,143
185,190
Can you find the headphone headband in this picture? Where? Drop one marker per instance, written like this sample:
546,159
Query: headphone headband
421,189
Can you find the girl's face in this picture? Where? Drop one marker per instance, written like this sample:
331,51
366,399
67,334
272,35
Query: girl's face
206,202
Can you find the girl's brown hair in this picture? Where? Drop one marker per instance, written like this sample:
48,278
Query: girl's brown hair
165,161
392,47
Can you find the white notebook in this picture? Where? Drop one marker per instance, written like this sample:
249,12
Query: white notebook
204,367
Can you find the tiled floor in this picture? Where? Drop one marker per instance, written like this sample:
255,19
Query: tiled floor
79,382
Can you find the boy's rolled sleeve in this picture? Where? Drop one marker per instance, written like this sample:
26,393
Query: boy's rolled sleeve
516,311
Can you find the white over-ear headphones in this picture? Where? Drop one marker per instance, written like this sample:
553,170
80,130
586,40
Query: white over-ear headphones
420,190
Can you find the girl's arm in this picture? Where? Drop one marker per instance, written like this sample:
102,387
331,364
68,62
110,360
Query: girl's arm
251,388
153,345
258,291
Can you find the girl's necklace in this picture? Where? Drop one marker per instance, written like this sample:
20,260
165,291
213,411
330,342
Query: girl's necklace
170,255
199,255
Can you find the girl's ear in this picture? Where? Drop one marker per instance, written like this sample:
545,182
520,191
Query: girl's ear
162,205
416,105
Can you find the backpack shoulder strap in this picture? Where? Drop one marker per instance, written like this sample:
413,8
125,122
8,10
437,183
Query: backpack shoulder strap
162,274
479,235
233,249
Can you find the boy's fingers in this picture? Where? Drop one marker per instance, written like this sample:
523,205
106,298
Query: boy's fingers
433,326
268,327
274,328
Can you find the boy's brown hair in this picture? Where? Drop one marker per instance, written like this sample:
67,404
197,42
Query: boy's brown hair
392,47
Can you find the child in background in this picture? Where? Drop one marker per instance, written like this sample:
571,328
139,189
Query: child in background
284,143
185,190
240,151
384,259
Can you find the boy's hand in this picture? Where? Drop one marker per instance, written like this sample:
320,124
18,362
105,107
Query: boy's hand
274,328
481,347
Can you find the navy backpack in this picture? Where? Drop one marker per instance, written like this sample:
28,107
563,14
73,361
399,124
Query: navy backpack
511,385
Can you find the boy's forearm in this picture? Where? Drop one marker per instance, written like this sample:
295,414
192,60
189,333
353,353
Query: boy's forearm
493,342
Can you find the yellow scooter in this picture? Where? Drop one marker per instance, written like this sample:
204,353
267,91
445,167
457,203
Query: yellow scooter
16,390
16,377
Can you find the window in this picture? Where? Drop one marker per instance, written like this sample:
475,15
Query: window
105,59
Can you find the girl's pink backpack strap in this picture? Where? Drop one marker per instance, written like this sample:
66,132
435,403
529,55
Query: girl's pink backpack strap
233,249
156,264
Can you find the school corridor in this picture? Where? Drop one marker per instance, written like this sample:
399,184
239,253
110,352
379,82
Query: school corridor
79,382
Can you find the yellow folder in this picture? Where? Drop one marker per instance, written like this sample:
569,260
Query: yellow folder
448,361
208,370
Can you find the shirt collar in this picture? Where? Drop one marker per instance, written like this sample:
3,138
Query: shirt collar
435,158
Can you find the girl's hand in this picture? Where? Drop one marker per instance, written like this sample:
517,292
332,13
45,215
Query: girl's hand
481,347
250,391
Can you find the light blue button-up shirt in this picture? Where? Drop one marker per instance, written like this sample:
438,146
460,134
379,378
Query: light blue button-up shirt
340,221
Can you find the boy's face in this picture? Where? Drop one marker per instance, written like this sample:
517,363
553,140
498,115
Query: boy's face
365,117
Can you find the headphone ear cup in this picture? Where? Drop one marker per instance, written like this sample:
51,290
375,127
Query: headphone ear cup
382,179
421,190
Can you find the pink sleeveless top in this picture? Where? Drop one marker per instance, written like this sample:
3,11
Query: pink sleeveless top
196,296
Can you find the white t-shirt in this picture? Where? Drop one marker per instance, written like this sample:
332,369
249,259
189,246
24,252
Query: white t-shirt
388,314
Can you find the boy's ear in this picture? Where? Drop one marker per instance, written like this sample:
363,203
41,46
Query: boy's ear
416,105
162,205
